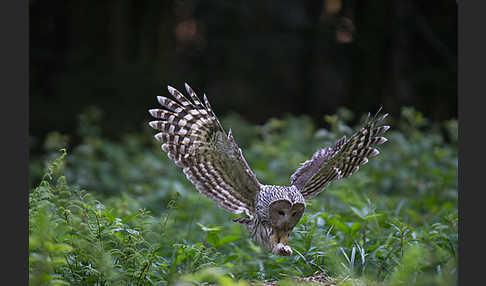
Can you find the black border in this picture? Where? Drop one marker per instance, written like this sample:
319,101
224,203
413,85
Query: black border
15,121
471,79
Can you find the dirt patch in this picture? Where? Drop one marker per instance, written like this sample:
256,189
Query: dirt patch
317,279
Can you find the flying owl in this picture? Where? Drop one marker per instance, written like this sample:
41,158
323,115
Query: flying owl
194,139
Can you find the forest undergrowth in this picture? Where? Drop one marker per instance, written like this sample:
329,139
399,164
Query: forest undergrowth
119,212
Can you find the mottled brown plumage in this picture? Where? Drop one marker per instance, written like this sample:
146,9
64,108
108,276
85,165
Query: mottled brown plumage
194,139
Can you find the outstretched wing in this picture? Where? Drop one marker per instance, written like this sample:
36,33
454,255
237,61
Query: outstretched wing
195,140
341,160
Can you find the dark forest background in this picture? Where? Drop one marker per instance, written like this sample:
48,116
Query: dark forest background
259,59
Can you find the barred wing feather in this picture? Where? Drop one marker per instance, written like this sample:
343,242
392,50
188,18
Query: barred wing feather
340,160
194,139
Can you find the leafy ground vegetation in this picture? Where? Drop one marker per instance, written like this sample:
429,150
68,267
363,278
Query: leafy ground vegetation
120,213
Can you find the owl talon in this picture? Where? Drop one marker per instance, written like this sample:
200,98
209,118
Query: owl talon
282,250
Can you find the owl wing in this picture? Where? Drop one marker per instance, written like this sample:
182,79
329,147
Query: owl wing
194,139
340,160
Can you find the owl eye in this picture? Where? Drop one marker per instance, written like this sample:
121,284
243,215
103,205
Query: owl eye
294,213
281,213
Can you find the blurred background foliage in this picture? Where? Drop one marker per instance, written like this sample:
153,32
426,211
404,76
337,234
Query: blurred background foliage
257,59
114,210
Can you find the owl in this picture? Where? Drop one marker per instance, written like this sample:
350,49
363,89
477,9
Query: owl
194,139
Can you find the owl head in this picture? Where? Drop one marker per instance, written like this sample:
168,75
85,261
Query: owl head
284,215
278,210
